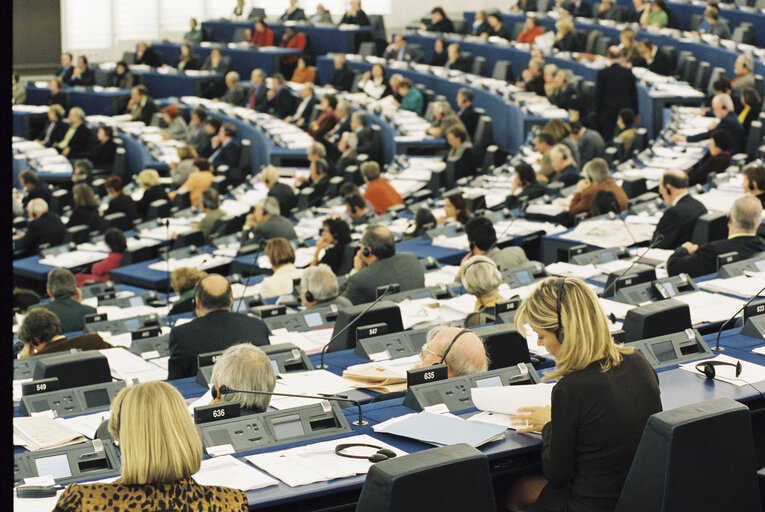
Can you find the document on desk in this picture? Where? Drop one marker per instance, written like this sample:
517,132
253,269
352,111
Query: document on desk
382,376
508,399
740,286
459,242
660,255
441,430
200,261
609,233
565,269
719,200
318,462
42,432
228,471
419,313
86,424
709,307
447,274
750,372
125,365
73,259
618,309
315,382
118,313
311,342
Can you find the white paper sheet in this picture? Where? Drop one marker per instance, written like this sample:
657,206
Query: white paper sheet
228,471
508,399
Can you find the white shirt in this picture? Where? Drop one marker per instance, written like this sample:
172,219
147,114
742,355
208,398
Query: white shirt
281,282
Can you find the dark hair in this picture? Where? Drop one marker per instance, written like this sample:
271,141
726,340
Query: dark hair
200,113
438,10
355,201
458,131
142,90
604,202
84,59
332,100
756,174
208,301
28,176
423,220
480,232
380,240
463,214
214,122
339,229
628,116
210,199
466,93
677,181
114,183
108,130
547,138
750,96
278,77
526,173
115,239
721,85
722,139
229,129
348,188
576,126
23,298
321,165
16,76
662,5
39,323
202,164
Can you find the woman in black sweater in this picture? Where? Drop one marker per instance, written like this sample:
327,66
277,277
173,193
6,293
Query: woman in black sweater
85,211
335,237
600,405
153,190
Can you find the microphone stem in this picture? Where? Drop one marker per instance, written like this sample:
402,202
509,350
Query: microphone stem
719,331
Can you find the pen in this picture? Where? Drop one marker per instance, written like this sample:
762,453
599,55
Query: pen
329,395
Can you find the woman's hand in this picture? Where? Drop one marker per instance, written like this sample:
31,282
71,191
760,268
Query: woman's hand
532,419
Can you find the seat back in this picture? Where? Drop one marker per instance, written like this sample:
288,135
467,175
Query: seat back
182,199
60,199
696,20
682,62
367,48
695,457
671,54
591,40
601,45
701,80
119,166
710,227
503,70
257,13
480,67
193,237
116,220
459,472
517,30
239,35
483,134
754,139
689,72
460,26
128,58
77,234
158,209
716,74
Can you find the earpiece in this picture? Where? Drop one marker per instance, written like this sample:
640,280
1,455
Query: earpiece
214,391
309,296
380,455
708,367
366,252
559,295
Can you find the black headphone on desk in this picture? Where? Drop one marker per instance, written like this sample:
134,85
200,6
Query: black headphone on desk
708,367
558,296
380,455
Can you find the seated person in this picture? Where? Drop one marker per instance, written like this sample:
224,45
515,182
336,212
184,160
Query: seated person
176,126
461,150
281,255
187,60
399,50
144,54
321,16
294,40
267,222
625,121
258,98
55,129
140,106
380,194
373,82
327,120
655,60
655,15
342,76
318,288
483,242
563,165
713,24
481,279
496,27
440,53
335,241
577,8
118,201
455,210
194,35
423,221
715,162
216,62
604,203
525,184
76,141
355,15
246,367
744,219
215,328
213,212
303,74
411,97
41,333
181,170
282,192
722,108
226,149
589,142
358,209
65,300
606,11
184,280
480,24
122,77
33,187
596,177
751,105
81,171
566,39
234,94
85,208
455,59
293,13
263,36
348,154
44,228
318,181
461,350
18,93
153,190
467,113
82,75
152,418
439,22
197,182
753,181
531,29
677,222
99,272
604,395
304,111
377,264
281,102
443,119
102,155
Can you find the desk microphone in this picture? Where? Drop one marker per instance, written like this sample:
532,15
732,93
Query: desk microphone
521,211
719,331
614,216
247,282
656,241
225,390
352,322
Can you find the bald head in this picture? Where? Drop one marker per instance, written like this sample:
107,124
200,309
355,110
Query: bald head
213,293
466,356
745,215
270,176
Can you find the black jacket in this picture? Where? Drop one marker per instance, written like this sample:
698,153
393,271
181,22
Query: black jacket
70,312
217,330
461,64
445,25
57,133
47,229
79,144
615,89
469,118
122,204
88,77
661,64
285,196
704,260
283,104
731,125
360,19
370,143
229,155
677,223
60,98
149,196
102,155
536,189
342,79
41,191
150,58
85,217
568,43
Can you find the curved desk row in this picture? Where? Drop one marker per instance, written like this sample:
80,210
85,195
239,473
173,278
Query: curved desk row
243,60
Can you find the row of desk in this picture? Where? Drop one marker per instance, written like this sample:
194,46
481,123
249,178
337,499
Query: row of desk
243,60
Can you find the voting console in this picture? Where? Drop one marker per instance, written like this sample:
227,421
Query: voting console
671,349
72,401
67,464
285,358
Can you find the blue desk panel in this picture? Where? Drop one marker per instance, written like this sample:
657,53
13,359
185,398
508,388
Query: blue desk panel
104,103
162,85
243,60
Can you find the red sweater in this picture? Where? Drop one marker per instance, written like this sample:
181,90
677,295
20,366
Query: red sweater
298,42
265,38
528,36
100,271
382,195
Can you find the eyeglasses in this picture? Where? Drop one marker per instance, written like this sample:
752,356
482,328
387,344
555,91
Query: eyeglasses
425,350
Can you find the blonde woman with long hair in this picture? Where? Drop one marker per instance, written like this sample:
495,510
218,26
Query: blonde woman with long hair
600,404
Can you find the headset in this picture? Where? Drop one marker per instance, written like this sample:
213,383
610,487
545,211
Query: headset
309,296
366,251
380,455
708,367
454,340
558,297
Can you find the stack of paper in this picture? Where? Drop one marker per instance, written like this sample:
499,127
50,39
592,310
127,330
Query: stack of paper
382,376
125,365
311,342
307,383
499,403
741,286
86,424
441,429
708,307
42,432
228,471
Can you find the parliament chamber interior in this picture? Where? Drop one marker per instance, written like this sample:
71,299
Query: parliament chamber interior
361,255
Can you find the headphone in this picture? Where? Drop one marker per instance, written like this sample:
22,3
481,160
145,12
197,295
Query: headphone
214,391
366,251
309,296
471,262
558,296
446,353
708,367
380,455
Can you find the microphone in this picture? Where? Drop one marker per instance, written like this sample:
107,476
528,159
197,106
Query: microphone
352,322
521,211
719,331
656,241
247,282
225,390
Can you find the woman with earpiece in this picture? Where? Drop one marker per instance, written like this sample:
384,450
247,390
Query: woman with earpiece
334,240
455,210
160,450
481,279
600,404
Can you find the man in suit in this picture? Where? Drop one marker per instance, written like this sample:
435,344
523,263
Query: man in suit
722,108
76,141
443,119
348,155
235,94
318,181
198,137
244,366
466,352
355,15
377,264
343,125
41,333
677,223
82,74
744,69
215,328
578,8
65,300
64,71
656,60
293,12
743,220
467,113
141,107
45,228
590,142
267,223
482,238
370,142
342,76
283,193
281,102
258,99
358,210
525,184
308,101
34,187
228,150
318,288
615,89
533,78
400,51
564,165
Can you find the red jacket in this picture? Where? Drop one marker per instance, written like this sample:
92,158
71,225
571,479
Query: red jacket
298,42
325,122
528,36
265,38
100,271
382,195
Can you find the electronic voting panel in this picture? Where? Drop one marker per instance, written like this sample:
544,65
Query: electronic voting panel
658,289
273,428
455,392
309,319
149,344
100,323
433,292
285,358
131,302
74,463
599,256
672,349
72,401
504,312
390,346
738,268
524,274
24,368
